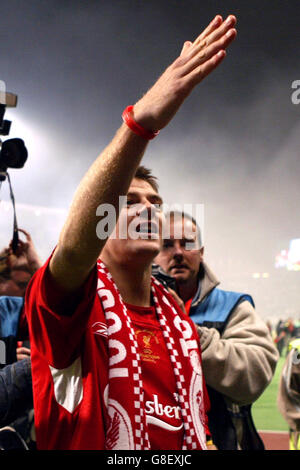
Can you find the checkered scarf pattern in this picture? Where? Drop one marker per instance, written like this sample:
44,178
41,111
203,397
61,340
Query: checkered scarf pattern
130,393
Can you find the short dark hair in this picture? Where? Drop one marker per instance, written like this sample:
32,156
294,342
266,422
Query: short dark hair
143,173
185,215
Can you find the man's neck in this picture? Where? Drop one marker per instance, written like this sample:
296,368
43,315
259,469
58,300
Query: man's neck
134,283
187,290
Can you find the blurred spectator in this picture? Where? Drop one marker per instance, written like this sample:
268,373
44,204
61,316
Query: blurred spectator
13,328
16,270
288,399
15,399
297,328
280,334
238,354
285,331
15,391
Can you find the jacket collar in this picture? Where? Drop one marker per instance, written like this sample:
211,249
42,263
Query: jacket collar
205,285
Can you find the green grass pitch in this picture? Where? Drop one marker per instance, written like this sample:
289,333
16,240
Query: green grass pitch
265,412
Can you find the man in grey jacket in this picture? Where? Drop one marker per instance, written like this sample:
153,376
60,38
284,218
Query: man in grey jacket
238,353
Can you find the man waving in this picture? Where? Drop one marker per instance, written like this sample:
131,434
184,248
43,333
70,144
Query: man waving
93,307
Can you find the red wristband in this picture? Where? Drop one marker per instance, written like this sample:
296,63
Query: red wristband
135,127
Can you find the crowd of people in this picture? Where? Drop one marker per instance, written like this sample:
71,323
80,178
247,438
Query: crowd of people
16,400
284,332
132,344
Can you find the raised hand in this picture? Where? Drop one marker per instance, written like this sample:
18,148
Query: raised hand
157,107
111,174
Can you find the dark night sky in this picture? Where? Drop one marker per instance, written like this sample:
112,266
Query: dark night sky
233,146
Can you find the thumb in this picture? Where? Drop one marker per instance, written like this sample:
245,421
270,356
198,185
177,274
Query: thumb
177,299
185,47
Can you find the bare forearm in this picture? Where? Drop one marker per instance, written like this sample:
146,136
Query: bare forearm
108,178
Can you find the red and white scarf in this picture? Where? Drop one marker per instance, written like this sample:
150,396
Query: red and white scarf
126,426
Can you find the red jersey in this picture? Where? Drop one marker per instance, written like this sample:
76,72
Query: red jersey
164,421
70,369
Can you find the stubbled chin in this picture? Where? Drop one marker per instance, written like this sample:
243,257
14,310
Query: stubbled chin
182,275
179,272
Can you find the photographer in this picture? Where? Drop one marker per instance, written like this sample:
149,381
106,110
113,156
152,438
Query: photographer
18,263
16,270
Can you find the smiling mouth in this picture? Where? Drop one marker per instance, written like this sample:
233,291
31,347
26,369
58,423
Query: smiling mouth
149,228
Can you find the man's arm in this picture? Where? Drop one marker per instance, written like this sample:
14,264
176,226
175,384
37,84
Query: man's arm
240,363
111,174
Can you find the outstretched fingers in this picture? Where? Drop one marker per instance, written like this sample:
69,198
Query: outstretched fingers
196,60
214,24
215,30
203,54
185,47
229,23
205,69
201,43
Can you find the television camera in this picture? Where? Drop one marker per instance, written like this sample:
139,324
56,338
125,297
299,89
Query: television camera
13,153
